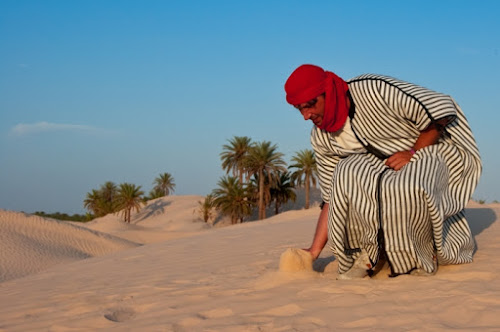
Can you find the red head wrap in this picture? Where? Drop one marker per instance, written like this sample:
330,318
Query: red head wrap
308,82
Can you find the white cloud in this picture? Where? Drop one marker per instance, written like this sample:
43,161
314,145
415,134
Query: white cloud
24,129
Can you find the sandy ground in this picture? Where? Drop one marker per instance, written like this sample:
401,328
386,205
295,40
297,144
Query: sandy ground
227,279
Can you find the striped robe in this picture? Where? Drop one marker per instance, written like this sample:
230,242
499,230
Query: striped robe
416,213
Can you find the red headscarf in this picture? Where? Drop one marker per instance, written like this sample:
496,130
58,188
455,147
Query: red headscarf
308,82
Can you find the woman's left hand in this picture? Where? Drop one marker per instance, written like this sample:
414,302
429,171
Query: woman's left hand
398,160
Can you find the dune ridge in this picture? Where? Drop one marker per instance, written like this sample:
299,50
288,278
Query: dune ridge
160,219
29,244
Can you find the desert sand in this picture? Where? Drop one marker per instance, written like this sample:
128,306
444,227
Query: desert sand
169,271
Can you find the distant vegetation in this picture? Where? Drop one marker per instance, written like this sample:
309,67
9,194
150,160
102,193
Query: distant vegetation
483,201
206,208
259,179
125,198
256,177
64,216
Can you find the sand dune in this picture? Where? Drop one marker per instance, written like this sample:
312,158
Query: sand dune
227,279
29,244
161,219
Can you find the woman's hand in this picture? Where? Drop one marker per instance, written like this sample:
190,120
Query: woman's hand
398,160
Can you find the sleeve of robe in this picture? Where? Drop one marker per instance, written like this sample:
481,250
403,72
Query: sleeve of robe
417,104
326,162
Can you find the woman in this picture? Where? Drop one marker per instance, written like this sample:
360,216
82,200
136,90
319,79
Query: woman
397,164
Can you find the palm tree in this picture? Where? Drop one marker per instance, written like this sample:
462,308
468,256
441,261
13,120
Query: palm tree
94,203
263,160
129,197
103,201
234,154
164,183
253,188
108,193
231,199
154,193
206,207
306,172
283,190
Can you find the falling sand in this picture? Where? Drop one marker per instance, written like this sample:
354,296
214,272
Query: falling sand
294,260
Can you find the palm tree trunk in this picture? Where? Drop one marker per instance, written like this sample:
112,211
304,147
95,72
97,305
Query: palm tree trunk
307,191
277,206
262,210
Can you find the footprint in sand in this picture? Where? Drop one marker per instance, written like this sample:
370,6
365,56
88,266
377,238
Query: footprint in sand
283,311
367,322
216,313
188,322
120,314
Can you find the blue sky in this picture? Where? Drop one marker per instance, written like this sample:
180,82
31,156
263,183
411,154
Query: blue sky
95,91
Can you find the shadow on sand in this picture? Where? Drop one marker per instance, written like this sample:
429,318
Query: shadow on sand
320,264
155,208
480,219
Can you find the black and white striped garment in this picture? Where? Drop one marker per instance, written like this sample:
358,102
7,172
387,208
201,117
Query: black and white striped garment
419,209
